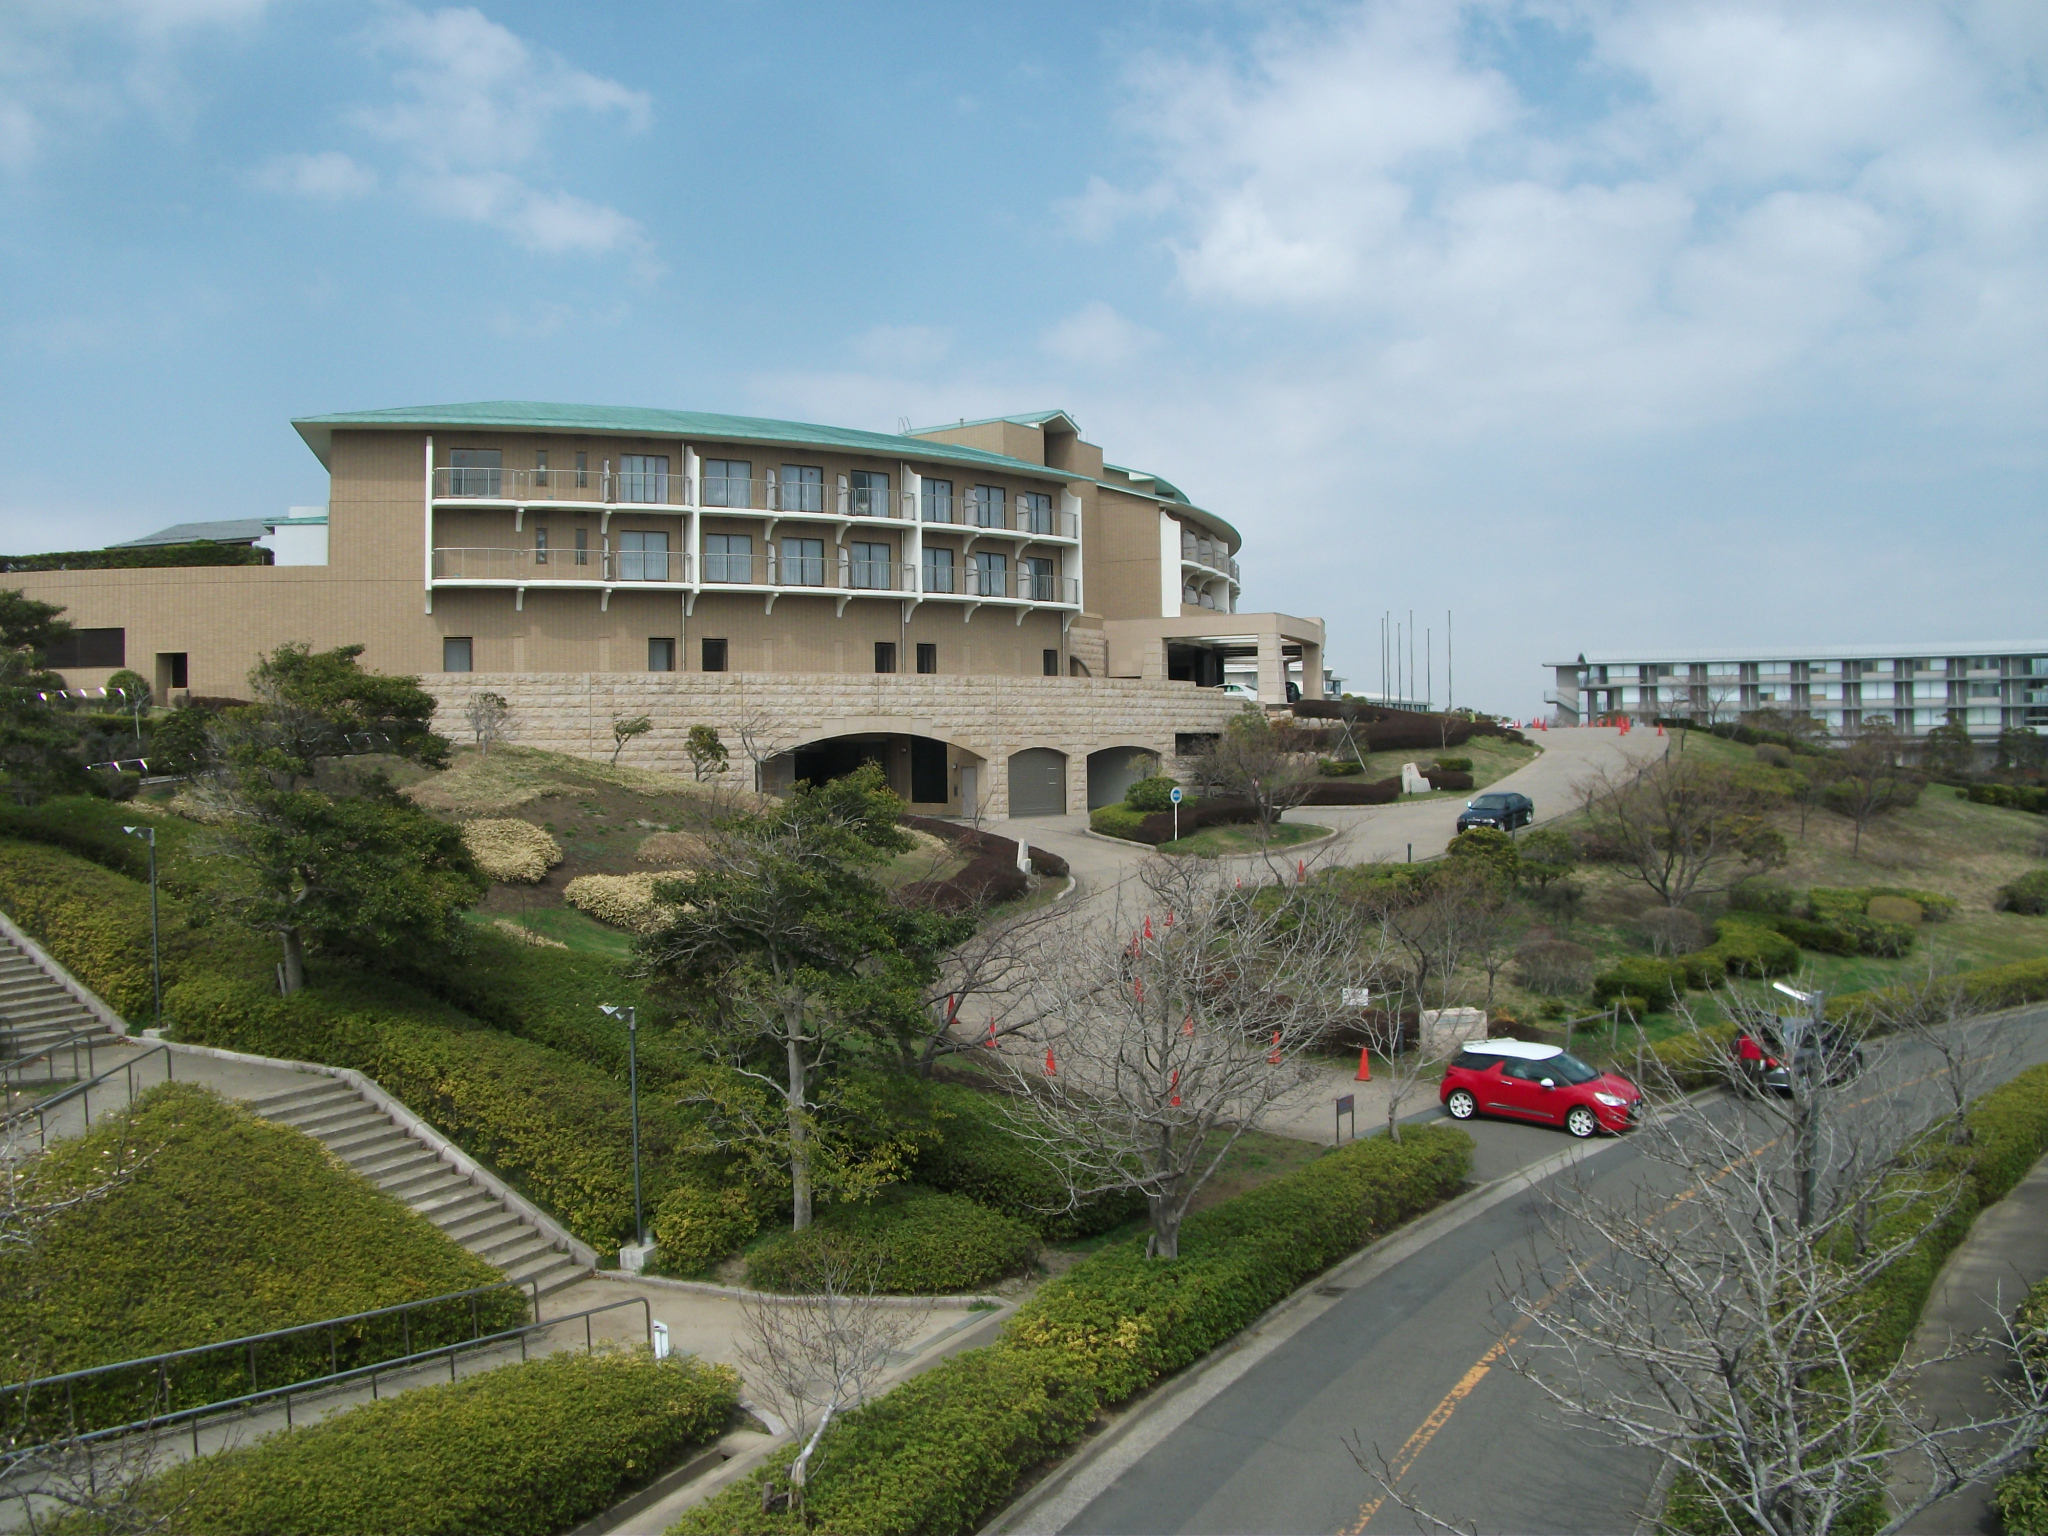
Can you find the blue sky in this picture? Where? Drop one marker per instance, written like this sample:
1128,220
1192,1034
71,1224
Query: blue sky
1601,324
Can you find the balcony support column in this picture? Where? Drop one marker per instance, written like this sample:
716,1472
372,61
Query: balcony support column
1272,669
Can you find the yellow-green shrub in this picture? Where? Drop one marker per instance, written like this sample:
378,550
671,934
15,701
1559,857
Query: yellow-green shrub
511,850
623,901
695,1227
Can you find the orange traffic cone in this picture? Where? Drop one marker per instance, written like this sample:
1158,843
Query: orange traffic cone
1364,1065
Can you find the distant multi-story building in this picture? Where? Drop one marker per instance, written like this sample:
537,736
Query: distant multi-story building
985,607
1986,686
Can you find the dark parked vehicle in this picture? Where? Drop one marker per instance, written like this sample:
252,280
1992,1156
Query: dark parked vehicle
1831,1054
1504,811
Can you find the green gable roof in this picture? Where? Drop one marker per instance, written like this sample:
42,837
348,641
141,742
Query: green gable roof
641,421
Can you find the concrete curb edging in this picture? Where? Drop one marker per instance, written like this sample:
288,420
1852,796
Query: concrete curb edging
410,1123
741,1293
49,966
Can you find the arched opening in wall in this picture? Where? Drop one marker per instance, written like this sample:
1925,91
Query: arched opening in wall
1076,667
1038,782
934,777
1113,770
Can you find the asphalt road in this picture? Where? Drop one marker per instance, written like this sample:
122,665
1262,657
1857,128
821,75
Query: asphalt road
1410,1364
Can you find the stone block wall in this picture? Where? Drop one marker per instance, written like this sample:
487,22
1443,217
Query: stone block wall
985,719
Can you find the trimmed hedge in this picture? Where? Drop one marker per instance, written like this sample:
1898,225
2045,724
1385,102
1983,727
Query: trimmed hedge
149,557
229,1225
530,1449
2013,797
91,828
1371,792
694,1227
991,875
1833,903
1156,827
1747,948
2022,1496
2028,894
936,1455
923,1243
95,922
975,1154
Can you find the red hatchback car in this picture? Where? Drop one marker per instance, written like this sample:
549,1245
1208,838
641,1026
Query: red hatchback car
1520,1081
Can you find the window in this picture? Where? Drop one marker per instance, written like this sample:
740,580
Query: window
455,653
927,657
803,488
540,546
1983,690
938,501
540,469
728,557
938,570
1034,512
643,557
1050,662
1774,669
1035,579
475,472
870,494
870,568
985,507
661,654
89,648
714,655
885,655
643,477
991,575
803,563
728,483
582,469
583,546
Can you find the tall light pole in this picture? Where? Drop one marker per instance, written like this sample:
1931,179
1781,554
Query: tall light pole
632,1018
156,968
1806,1083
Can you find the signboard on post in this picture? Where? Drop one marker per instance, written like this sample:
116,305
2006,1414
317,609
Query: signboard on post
1174,795
1357,997
1347,1105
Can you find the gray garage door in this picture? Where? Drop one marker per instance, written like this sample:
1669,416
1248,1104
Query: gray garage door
1038,782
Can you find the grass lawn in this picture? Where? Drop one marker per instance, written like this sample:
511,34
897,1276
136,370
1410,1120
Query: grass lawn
566,926
1493,759
1218,842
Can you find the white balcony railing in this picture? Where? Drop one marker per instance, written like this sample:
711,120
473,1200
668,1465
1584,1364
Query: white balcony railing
545,565
1209,554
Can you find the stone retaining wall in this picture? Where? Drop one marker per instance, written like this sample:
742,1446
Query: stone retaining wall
984,719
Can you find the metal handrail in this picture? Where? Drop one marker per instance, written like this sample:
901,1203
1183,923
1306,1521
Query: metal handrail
41,1110
89,1037
288,1391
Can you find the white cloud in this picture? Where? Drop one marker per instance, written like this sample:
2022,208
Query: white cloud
1676,261
903,347
329,176
1096,335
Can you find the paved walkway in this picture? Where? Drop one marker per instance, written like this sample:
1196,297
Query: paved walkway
1978,1290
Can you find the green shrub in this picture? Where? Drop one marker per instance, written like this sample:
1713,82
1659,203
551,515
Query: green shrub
2028,894
923,1242
1153,794
1659,983
1703,971
1697,1059
1993,987
1833,903
2014,797
95,922
1489,846
695,1227
1117,821
528,1449
1546,855
91,828
1749,949
939,1453
1760,893
1455,764
2022,1496
977,1155
1339,767
229,1225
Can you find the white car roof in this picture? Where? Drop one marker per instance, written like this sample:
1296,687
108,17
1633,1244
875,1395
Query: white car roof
1527,1050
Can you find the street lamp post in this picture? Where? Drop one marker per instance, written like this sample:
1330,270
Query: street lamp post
632,1018
156,968
1806,1080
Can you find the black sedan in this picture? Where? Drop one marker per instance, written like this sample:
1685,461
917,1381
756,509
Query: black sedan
1504,811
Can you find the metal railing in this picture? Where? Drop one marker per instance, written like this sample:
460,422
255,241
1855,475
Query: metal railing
594,486
20,1403
42,1109
1210,555
14,1073
537,566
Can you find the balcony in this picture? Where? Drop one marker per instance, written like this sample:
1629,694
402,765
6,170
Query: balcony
540,567
1209,555
1035,523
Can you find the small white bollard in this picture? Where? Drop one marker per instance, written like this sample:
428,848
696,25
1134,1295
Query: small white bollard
1023,857
661,1341
634,1256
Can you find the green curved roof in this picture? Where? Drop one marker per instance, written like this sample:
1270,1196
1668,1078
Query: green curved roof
643,421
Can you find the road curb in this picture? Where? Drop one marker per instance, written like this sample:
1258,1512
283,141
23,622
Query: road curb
1057,1498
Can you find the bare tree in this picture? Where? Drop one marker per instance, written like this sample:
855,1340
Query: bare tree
1172,1030
812,1356
1871,779
1927,1009
991,987
1252,761
486,715
1723,1322
759,730
1684,827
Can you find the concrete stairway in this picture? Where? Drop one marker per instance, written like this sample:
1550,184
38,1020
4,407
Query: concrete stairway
35,1010
365,1138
